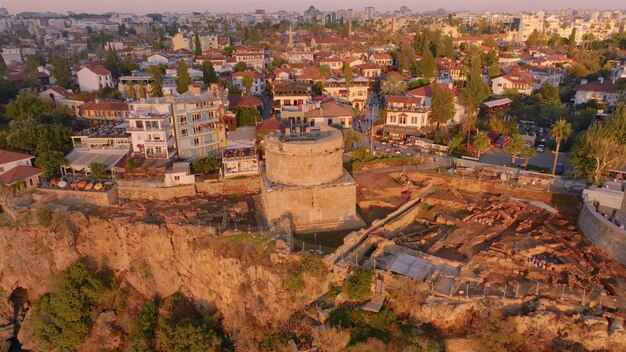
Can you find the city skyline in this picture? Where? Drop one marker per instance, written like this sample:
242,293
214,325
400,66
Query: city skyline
242,6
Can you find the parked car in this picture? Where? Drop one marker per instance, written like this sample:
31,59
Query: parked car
541,148
560,168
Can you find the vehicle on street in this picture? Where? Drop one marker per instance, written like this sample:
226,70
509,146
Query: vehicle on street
541,148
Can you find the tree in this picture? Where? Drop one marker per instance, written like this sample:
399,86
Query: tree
474,92
350,137
247,81
248,116
393,85
3,67
481,143
61,71
448,47
534,38
515,147
427,66
207,165
157,75
8,91
406,58
560,131
347,74
182,77
331,339
197,46
32,63
497,334
27,107
63,318
240,66
358,286
325,71
98,170
571,44
128,65
549,95
112,63
208,73
51,161
602,147
442,105
527,153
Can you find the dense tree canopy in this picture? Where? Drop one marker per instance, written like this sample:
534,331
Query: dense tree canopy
182,77
248,116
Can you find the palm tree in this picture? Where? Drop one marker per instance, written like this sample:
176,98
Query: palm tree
560,131
394,85
481,143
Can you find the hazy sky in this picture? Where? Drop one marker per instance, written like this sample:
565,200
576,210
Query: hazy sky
146,6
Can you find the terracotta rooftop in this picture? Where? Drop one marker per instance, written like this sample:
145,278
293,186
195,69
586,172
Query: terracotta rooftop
7,156
241,100
19,173
16,77
404,99
518,77
110,104
596,86
427,91
330,109
272,124
99,70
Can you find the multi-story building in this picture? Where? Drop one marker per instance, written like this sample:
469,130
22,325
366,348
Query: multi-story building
603,91
406,115
449,70
180,41
92,78
425,93
329,113
198,124
355,93
151,128
290,100
252,56
103,109
258,81
517,81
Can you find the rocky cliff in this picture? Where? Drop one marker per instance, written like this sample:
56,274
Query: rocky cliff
240,277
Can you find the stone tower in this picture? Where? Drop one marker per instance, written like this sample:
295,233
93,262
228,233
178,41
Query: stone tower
305,181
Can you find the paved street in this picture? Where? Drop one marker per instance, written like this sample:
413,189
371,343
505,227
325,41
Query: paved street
499,156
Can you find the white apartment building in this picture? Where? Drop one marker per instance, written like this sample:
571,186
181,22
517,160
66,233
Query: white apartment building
92,78
151,129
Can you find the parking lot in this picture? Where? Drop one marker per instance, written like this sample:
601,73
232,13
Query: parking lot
501,157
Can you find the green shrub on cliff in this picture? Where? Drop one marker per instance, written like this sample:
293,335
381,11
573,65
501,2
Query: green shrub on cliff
358,287
174,324
62,318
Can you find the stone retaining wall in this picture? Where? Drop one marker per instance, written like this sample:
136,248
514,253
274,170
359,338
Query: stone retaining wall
151,193
602,233
240,186
103,199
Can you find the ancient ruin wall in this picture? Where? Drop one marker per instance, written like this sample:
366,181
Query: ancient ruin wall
602,233
232,186
305,162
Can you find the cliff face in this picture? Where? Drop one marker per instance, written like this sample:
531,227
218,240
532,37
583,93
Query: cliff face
244,284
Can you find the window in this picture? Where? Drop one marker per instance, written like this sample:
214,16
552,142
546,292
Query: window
402,120
197,129
176,178
196,141
184,132
183,120
196,117
414,120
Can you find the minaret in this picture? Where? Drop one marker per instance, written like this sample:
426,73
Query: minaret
349,23
290,36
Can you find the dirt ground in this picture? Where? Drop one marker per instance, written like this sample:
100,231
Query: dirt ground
516,239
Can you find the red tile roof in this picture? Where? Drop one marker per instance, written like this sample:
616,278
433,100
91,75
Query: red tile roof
242,100
427,91
330,109
272,124
110,104
7,156
99,70
16,77
19,173
596,86
62,91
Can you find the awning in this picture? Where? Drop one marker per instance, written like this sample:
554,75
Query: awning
401,130
80,158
